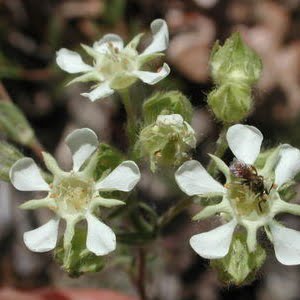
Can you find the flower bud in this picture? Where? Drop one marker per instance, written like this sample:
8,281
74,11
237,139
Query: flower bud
239,266
167,141
234,62
172,102
230,102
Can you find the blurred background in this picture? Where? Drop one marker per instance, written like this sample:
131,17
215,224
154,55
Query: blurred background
32,31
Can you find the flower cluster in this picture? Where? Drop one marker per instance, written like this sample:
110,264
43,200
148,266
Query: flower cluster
250,197
73,196
117,67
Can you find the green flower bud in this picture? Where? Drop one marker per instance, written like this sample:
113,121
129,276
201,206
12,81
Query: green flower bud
230,102
172,102
167,141
77,260
235,62
239,266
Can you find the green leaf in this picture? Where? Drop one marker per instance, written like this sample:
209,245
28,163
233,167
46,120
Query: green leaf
9,154
14,124
78,260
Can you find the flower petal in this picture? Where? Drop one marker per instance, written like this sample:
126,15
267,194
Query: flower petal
103,90
101,240
153,77
244,141
123,178
286,244
43,238
82,143
288,165
160,33
193,179
215,243
71,61
25,176
102,46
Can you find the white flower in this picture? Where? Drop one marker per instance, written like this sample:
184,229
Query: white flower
74,195
116,66
251,203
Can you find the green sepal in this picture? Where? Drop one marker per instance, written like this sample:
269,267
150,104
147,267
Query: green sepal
15,125
221,166
77,260
239,266
8,156
144,60
287,191
265,156
108,158
166,103
230,102
235,62
134,42
122,80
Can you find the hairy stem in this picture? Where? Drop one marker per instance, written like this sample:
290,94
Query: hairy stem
141,279
221,147
132,120
173,211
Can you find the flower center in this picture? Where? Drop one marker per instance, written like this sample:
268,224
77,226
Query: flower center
247,192
72,195
116,61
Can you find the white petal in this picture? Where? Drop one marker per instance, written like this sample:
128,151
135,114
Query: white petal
101,240
103,90
160,33
153,77
244,141
193,179
43,238
167,120
102,46
288,165
25,176
286,244
71,61
123,178
215,243
82,143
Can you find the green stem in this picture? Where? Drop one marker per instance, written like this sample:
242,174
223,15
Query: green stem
221,147
141,278
131,111
173,211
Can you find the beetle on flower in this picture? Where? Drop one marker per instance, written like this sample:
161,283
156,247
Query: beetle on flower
73,196
251,202
117,67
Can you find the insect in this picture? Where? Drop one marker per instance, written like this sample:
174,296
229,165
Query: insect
249,176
